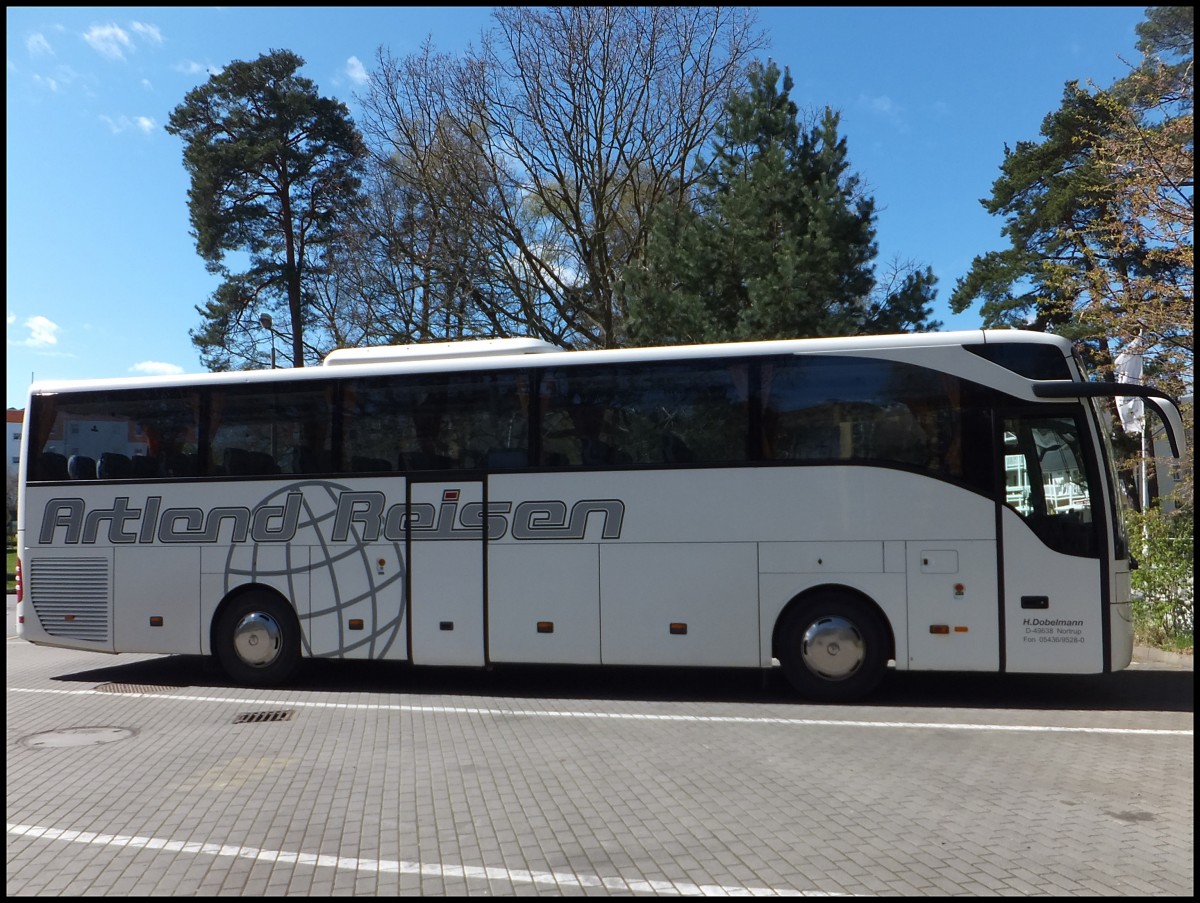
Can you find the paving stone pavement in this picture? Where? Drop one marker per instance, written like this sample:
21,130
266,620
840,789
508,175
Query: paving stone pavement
128,775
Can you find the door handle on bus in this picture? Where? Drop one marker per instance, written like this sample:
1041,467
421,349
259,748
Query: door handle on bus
1035,601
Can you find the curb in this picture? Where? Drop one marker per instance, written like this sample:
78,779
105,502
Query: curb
1151,655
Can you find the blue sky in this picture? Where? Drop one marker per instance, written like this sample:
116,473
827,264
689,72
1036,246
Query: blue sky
103,275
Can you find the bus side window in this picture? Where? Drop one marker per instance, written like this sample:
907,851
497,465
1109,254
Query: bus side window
307,460
143,467
577,418
1046,481
81,467
181,464
114,466
268,430
861,409
51,466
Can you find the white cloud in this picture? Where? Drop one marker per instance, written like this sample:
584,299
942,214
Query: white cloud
880,104
37,45
156,368
191,67
42,332
884,106
356,71
63,78
144,124
149,33
12,318
50,84
109,41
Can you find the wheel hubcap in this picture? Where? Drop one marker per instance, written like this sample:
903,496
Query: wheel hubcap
257,639
833,648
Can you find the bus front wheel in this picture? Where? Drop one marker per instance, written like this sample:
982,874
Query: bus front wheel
833,648
257,640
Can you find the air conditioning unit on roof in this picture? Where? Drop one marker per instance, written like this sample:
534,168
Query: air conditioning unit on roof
427,351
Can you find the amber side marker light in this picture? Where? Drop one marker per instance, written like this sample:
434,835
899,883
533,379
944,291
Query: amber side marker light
156,621
939,628
678,628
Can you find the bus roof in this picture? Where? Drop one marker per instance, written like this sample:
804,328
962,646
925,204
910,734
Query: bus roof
484,354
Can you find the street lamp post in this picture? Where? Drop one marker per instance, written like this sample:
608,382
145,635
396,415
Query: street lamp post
268,324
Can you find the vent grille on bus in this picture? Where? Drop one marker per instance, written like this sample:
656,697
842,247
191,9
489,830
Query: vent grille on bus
70,597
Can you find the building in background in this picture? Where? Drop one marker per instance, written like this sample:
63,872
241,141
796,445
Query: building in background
16,423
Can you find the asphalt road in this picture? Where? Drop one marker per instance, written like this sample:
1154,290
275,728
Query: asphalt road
152,775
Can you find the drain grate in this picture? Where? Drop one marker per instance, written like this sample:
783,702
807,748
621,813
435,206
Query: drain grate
260,717
136,688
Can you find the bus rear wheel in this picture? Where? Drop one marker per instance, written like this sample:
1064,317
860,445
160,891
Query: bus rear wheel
833,648
257,640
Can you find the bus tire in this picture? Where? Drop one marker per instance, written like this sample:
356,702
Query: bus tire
833,648
257,639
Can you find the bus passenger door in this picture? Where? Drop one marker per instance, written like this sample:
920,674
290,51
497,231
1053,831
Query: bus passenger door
446,551
1054,609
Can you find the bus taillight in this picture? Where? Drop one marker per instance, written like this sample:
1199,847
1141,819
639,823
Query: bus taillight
18,582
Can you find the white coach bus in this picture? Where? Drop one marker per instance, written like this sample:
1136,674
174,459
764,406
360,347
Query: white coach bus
932,502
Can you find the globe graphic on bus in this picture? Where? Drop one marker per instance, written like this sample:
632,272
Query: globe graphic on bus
351,579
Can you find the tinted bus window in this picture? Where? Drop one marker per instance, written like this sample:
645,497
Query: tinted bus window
119,435
437,422
1031,361
1047,481
821,409
267,430
693,412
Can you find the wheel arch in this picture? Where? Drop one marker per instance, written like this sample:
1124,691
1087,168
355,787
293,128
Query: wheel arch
837,589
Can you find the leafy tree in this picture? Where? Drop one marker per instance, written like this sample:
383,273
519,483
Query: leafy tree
1099,212
778,242
1164,614
415,263
546,149
1146,158
1099,218
273,167
1050,191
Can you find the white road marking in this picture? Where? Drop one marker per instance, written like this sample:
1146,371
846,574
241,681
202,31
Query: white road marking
616,716
559,880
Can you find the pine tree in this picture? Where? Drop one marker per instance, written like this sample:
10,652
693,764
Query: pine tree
778,241
273,167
